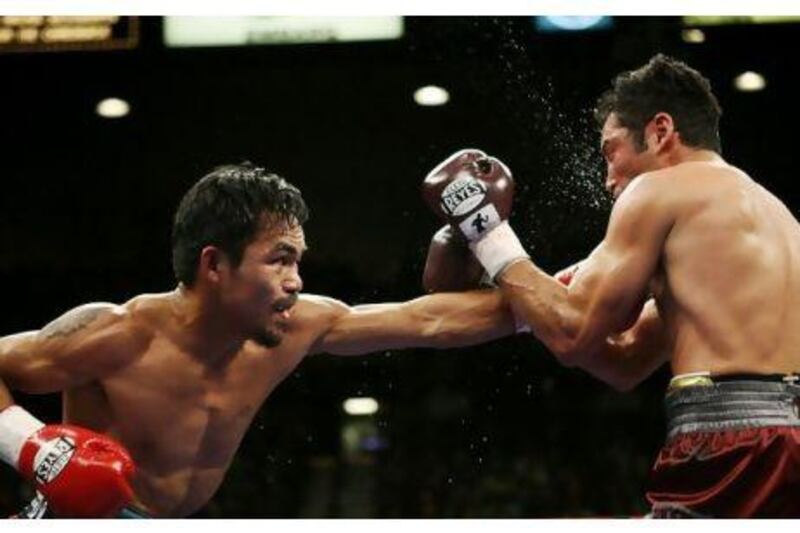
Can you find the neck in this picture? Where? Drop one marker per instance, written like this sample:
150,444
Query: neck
690,155
211,338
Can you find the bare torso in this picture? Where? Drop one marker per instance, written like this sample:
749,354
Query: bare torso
181,418
729,275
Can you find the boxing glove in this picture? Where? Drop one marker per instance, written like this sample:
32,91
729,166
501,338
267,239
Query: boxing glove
82,474
450,265
473,193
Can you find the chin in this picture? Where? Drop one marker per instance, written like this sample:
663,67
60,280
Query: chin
267,338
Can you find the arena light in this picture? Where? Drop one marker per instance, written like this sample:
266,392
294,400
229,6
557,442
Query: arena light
724,20
112,108
750,82
693,35
360,406
248,31
572,23
37,33
431,95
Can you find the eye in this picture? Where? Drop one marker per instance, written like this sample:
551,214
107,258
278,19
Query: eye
287,260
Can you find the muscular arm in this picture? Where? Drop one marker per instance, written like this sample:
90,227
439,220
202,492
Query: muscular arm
85,343
627,358
439,321
610,288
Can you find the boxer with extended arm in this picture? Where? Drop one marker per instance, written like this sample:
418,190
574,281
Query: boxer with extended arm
700,266
176,378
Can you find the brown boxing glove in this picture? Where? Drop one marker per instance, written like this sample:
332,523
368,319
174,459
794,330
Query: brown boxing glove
450,265
473,192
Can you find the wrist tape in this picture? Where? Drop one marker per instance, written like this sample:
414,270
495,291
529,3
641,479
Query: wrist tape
498,249
16,426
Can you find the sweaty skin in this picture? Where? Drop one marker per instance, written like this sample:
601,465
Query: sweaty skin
715,256
178,377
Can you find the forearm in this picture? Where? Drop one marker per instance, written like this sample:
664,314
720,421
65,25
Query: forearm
444,320
623,364
451,320
542,303
625,360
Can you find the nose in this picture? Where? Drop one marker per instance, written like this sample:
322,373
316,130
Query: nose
294,283
610,183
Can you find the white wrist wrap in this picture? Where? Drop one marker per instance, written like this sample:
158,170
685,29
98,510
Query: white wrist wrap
498,249
16,426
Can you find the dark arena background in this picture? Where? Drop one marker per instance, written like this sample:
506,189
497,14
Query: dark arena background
500,430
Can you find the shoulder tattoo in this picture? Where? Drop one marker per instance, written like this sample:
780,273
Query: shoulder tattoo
74,320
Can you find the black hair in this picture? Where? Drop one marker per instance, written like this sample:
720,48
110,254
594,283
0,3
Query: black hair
664,85
226,208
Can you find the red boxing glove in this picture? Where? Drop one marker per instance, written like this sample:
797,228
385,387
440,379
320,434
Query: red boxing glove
82,474
450,266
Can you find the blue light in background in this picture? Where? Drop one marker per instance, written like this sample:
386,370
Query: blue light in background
559,24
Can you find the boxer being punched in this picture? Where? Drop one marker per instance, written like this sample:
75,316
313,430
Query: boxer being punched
177,377
700,266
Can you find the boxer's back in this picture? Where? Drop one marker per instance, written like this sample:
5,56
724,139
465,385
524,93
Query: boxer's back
732,263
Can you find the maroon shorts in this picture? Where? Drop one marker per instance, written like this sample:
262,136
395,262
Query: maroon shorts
733,450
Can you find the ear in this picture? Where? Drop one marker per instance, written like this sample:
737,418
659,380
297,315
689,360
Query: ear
661,130
213,263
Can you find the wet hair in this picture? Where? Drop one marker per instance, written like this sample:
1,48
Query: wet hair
226,208
664,85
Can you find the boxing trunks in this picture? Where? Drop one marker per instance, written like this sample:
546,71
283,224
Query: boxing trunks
38,508
732,448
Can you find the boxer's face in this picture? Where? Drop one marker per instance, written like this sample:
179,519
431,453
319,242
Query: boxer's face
261,291
624,159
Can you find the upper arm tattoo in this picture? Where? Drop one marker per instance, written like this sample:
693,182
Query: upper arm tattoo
74,320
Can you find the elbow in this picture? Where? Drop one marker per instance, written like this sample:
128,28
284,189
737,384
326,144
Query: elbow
573,355
28,378
19,384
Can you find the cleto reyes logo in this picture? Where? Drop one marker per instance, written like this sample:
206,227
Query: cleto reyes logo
52,457
462,195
